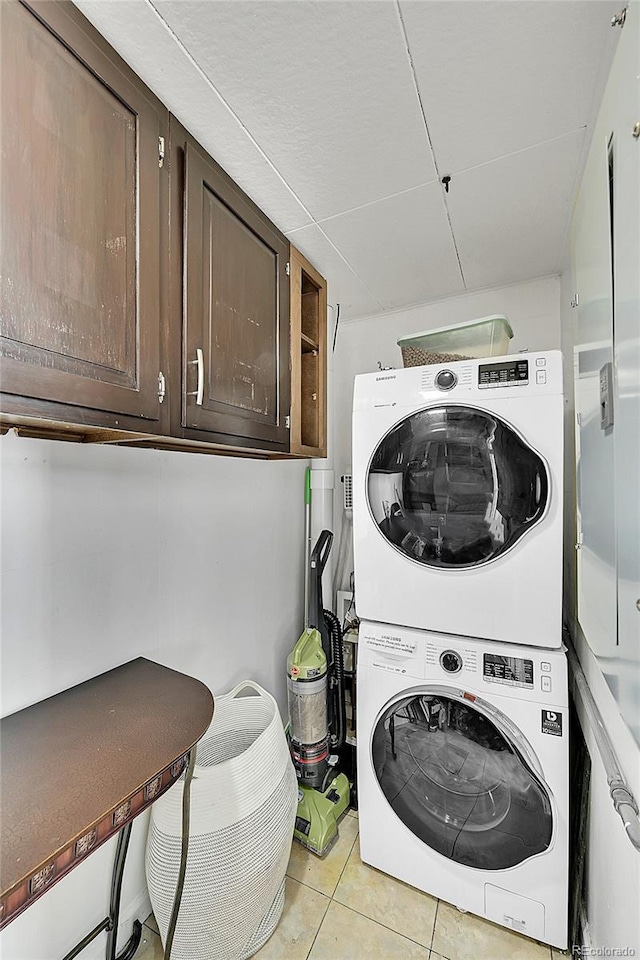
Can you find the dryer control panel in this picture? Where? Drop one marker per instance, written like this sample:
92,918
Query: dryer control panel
527,375
506,373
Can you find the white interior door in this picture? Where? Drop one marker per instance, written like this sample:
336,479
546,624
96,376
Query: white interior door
606,252
626,259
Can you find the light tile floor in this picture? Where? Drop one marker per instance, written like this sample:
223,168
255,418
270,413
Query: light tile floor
339,908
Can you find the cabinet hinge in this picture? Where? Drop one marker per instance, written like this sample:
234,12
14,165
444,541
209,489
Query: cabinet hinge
287,422
287,269
162,387
160,151
619,19
576,300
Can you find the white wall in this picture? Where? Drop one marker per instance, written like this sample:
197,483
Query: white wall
108,554
532,308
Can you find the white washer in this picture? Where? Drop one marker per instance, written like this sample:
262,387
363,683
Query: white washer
457,497
463,773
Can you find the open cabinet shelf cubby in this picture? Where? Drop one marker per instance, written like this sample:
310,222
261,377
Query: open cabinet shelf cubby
308,358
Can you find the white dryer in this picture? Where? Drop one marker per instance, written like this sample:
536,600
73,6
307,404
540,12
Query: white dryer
462,750
457,497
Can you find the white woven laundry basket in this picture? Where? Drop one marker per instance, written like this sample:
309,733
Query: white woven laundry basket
244,797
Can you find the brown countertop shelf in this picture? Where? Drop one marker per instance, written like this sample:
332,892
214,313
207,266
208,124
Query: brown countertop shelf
77,767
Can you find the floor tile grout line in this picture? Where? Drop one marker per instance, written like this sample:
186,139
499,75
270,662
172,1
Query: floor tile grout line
315,889
315,936
290,876
383,925
332,899
379,922
151,930
391,929
432,953
351,849
435,920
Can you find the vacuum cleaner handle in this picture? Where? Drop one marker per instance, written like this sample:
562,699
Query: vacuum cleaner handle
317,563
320,553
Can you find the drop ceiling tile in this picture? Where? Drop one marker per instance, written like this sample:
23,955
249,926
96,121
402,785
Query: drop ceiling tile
142,38
496,77
325,88
343,286
510,217
401,247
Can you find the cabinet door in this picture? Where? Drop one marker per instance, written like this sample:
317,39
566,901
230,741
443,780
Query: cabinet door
236,311
79,266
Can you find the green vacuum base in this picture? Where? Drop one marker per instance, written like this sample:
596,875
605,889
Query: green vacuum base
318,814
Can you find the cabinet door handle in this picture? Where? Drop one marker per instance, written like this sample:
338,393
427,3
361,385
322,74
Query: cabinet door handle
199,393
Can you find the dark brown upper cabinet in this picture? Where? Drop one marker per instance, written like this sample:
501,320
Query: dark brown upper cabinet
231,287
144,298
81,185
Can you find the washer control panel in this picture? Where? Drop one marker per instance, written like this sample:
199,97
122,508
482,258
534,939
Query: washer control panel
512,671
486,668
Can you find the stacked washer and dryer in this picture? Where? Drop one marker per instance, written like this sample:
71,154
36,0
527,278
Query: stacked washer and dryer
462,734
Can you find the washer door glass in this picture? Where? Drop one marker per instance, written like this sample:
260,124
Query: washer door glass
458,784
453,486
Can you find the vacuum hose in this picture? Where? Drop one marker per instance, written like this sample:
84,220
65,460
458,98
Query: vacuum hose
335,694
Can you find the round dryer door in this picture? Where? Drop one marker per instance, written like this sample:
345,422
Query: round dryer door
453,772
454,486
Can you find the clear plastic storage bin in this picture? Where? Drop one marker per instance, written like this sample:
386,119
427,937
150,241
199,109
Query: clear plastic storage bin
486,337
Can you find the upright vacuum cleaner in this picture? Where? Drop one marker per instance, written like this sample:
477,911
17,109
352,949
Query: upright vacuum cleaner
317,720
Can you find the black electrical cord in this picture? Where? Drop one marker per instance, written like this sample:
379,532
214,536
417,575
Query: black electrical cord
345,620
335,332
338,716
186,814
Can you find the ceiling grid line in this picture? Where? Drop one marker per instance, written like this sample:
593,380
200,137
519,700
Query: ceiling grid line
372,203
602,74
344,148
407,307
431,147
228,106
347,264
517,153
260,150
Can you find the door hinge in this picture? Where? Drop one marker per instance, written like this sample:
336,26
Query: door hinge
636,131
287,269
579,419
160,151
287,422
619,19
162,387
576,300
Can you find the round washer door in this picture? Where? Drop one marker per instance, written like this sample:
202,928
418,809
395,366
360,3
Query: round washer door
454,486
453,773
